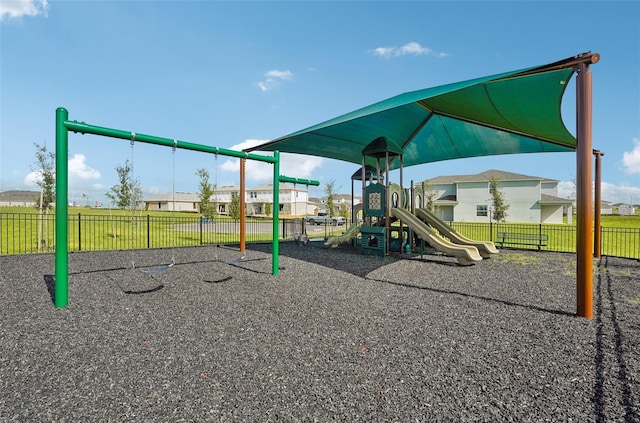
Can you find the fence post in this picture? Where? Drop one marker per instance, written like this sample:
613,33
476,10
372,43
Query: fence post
148,232
490,230
539,236
79,232
201,230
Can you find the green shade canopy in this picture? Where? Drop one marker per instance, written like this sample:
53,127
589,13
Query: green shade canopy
507,113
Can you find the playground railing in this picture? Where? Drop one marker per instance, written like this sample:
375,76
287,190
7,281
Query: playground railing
22,233
618,242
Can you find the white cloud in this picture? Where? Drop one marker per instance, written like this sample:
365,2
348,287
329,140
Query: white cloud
14,9
566,189
620,193
411,48
78,171
273,78
631,159
293,165
609,192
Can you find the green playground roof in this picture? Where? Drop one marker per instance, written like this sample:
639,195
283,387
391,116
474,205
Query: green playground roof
508,113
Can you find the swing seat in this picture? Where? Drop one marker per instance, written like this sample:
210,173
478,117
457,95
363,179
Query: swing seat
157,270
236,260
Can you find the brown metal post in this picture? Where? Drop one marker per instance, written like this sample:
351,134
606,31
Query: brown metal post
597,241
584,233
242,210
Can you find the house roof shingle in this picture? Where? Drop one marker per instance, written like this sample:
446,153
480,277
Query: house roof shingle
485,176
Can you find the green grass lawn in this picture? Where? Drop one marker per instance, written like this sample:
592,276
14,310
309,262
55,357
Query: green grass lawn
102,229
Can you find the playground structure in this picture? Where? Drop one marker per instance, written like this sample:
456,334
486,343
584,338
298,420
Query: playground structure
63,126
384,202
491,115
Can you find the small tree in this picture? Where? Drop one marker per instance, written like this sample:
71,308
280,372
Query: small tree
45,169
46,180
344,210
429,197
329,190
128,192
234,207
267,209
207,207
500,207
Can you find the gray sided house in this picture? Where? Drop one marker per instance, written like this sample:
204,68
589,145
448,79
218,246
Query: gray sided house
467,198
184,202
16,198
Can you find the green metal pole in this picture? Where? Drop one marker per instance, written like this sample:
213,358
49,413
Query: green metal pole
276,213
85,128
61,291
283,178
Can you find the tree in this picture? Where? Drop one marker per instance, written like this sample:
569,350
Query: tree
329,190
45,170
267,209
46,180
234,207
429,197
128,192
207,207
344,210
500,207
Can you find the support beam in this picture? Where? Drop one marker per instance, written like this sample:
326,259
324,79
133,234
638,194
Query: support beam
61,291
584,230
243,220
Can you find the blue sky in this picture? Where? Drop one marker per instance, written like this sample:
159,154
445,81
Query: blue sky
234,74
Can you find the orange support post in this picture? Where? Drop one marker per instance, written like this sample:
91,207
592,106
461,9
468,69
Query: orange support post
584,232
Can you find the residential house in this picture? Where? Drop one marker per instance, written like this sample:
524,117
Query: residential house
293,200
179,201
626,210
606,207
15,198
340,202
467,198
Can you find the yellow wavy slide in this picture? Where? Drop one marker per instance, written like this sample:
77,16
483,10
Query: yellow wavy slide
486,248
465,254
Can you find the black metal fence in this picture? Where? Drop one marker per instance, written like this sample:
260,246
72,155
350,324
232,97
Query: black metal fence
29,233
618,242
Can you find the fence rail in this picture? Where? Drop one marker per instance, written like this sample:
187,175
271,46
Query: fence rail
20,232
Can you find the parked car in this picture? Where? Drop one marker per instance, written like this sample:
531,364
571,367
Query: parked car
324,218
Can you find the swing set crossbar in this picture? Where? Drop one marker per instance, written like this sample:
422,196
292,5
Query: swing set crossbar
84,128
64,125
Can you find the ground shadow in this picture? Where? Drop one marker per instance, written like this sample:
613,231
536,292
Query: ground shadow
50,282
366,267
604,289
477,297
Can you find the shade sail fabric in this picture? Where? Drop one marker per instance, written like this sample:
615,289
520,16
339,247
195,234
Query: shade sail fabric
508,113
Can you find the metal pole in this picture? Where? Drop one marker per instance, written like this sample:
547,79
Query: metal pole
243,220
61,296
584,232
597,230
276,212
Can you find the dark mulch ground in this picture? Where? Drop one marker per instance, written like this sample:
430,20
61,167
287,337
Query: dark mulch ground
335,336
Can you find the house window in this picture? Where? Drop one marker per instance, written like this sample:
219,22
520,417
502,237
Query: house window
481,210
253,194
281,208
